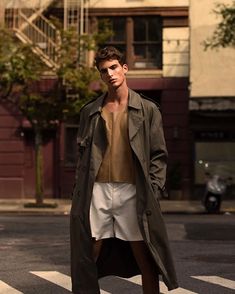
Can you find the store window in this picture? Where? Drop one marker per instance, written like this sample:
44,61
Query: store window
214,158
141,38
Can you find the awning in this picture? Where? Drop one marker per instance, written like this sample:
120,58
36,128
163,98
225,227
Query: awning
212,104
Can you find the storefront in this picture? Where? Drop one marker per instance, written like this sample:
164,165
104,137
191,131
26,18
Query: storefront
212,125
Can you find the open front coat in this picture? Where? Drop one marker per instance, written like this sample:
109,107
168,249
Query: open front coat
149,153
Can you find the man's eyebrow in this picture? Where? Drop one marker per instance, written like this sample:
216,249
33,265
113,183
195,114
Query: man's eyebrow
103,70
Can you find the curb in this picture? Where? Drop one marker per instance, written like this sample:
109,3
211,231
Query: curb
16,206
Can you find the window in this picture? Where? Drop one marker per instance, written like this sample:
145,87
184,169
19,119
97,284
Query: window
71,145
141,38
147,42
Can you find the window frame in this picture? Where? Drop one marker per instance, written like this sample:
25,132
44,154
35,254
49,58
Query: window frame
172,16
129,42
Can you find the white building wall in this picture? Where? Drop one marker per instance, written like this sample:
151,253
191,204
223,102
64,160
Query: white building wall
101,3
137,3
175,52
26,3
212,72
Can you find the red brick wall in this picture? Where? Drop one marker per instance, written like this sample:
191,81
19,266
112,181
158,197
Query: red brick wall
11,155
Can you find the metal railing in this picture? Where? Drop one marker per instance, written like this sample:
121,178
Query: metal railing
32,27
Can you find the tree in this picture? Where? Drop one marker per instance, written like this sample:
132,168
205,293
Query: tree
20,70
224,34
18,66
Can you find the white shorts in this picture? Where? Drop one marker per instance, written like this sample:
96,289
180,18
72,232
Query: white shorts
113,212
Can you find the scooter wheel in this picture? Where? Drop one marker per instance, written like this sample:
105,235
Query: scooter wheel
212,204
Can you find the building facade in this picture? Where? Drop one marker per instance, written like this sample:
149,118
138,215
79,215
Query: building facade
155,36
212,99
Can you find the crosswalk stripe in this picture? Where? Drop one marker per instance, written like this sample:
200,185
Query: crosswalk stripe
217,280
57,278
163,288
6,289
64,281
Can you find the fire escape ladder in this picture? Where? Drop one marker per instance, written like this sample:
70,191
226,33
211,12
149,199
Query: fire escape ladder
32,27
76,17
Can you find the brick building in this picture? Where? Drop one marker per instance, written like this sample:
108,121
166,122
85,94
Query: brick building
155,36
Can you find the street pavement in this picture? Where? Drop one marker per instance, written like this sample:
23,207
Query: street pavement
63,206
35,255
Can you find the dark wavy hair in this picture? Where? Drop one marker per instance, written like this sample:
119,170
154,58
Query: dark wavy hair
109,53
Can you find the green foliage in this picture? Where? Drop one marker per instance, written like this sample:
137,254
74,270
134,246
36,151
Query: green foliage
18,65
43,111
19,69
224,34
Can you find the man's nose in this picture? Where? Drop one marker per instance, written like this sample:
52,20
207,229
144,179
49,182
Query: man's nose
109,72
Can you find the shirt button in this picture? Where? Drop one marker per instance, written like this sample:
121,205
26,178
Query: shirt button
148,212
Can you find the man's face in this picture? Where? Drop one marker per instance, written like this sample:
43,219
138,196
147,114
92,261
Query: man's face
113,73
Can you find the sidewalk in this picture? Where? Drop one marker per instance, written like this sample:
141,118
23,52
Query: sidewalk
16,206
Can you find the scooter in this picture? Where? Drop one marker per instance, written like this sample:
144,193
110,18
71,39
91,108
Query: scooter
216,187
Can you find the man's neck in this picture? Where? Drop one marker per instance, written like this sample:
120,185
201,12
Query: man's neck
116,99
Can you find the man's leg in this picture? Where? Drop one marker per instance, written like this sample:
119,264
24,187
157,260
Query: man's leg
97,244
150,280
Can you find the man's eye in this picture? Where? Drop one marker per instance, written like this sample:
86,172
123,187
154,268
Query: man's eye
103,71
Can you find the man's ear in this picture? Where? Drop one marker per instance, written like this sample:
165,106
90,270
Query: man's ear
125,67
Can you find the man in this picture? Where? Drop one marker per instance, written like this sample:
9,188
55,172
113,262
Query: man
116,222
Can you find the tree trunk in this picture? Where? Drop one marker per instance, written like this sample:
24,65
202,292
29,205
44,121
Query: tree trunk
38,166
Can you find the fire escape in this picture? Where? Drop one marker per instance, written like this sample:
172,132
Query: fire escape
32,26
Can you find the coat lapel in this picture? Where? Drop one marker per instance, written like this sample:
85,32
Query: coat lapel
99,142
135,113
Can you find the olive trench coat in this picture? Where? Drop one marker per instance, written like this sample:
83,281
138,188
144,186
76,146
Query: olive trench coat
149,153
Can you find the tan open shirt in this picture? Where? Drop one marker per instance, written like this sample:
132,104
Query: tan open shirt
117,164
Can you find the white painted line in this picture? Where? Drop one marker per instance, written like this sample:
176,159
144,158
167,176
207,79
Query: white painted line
217,280
59,279
163,288
179,290
55,278
6,289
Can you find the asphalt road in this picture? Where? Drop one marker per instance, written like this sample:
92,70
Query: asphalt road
34,255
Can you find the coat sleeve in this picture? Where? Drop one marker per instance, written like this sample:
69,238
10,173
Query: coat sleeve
158,151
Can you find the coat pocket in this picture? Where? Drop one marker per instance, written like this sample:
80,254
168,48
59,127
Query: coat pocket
83,143
76,201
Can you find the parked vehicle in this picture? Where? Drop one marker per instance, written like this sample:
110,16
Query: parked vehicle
216,187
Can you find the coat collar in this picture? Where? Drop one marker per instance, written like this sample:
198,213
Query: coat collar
97,104
134,102
136,117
